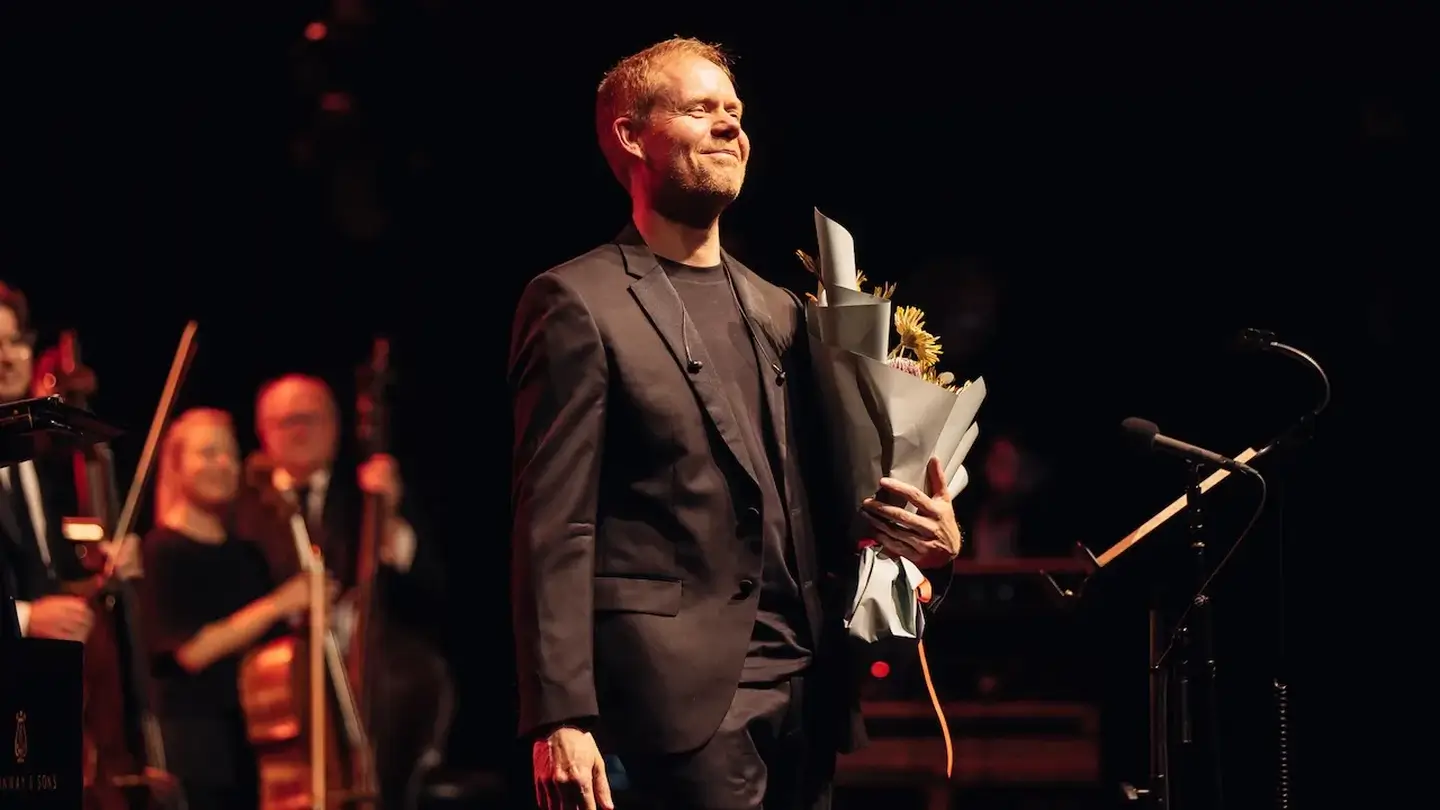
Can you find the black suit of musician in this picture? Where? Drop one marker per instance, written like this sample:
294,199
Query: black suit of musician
298,424
34,556
671,596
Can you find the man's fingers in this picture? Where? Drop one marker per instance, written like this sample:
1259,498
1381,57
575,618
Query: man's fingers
587,790
602,785
935,476
908,492
555,797
78,620
918,524
895,548
894,540
575,788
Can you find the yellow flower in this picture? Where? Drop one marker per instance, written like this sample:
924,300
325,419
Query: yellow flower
918,350
808,262
910,324
944,379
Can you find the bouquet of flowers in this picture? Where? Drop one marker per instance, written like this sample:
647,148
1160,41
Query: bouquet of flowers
888,410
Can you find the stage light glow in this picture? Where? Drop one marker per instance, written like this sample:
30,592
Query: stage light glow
316,31
879,669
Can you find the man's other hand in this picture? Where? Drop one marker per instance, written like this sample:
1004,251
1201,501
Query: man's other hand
67,618
569,772
380,475
929,536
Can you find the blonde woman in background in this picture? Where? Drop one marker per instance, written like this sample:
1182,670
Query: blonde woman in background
209,597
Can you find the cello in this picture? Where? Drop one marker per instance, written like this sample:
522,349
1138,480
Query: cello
124,754
313,750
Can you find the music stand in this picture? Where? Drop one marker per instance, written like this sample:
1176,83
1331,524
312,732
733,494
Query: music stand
29,428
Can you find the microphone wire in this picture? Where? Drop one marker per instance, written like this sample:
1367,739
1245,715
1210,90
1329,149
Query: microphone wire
1201,595
1310,361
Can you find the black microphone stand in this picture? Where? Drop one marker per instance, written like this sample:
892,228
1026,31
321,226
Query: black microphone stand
1197,699
1183,689
1195,640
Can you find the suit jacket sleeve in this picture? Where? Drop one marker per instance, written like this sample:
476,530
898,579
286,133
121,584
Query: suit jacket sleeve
417,594
558,379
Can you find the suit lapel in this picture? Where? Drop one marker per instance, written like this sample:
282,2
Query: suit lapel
334,524
9,521
776,402
657,296
753,305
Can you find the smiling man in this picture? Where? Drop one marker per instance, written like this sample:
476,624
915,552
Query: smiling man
672,604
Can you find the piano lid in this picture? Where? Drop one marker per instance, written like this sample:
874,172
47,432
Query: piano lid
29,427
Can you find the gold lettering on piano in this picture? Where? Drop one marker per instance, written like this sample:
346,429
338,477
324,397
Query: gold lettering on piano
29,783
22,739
25,782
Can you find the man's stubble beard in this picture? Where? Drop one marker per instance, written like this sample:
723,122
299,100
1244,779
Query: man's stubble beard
694,202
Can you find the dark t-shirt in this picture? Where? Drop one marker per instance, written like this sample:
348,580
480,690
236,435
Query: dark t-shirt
189,584
777,648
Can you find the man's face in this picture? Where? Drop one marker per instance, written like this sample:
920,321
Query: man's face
16,358
693,148
297,425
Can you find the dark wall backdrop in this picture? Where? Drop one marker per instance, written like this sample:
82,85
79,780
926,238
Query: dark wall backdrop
1139,187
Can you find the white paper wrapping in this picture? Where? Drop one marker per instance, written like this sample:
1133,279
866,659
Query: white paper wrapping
882,422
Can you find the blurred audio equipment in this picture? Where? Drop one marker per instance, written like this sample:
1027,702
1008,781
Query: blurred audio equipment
1021,742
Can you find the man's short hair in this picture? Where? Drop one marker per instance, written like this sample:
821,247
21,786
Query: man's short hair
630,88
309,379
14,300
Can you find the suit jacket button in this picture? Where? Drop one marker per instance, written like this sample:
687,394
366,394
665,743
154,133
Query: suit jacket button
747,586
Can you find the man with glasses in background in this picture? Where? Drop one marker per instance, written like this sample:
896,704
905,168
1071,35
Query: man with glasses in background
34,555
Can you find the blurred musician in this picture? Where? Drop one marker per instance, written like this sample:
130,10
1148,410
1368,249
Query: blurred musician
209,597
33,496
298,422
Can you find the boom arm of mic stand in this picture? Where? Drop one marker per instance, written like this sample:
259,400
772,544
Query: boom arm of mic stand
1297,433
1175,507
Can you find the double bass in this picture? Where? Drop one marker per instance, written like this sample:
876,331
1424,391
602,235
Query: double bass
313,709
124,765
406,690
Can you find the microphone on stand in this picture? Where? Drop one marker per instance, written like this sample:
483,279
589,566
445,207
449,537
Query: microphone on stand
1146,432
1261,340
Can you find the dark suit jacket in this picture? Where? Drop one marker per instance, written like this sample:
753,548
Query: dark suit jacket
57,493
637,527
412,598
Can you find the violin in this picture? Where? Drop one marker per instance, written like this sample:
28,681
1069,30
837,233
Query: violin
124,766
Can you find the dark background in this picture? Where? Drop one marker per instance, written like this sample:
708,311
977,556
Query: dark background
1132,188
